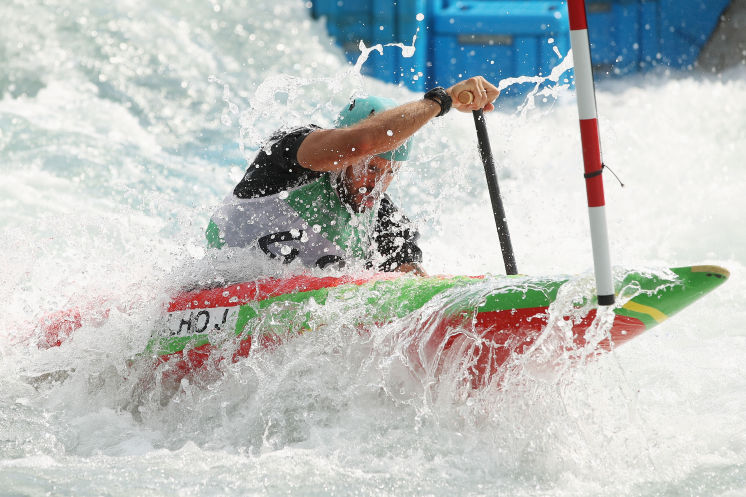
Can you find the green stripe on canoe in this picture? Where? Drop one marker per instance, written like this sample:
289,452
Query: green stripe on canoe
657,297
384,300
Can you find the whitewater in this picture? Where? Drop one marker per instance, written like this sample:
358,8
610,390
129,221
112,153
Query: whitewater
123,126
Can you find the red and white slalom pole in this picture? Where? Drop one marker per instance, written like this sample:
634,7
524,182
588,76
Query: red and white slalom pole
594,185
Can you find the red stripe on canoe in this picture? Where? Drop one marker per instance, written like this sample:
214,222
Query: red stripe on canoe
242,293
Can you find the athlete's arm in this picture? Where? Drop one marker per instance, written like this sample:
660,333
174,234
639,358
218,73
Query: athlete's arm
336,149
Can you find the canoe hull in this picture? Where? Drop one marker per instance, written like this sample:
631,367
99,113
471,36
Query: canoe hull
477,323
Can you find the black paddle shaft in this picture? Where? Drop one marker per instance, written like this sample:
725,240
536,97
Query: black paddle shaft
497,204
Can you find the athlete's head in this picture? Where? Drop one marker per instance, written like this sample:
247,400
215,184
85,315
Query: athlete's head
364,107
363,184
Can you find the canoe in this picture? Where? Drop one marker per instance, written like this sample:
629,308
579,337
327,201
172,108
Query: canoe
472,324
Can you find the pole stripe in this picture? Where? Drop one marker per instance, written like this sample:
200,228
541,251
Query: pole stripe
601,256
583,74
592,162
576,11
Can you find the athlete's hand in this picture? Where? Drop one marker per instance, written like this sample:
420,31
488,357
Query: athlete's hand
411,267
473,94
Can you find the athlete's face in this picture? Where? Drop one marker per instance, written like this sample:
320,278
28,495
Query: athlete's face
363,184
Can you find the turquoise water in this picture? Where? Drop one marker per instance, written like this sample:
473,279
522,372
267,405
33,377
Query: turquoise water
122,127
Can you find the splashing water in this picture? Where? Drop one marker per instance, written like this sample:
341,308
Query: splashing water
541,89
123,125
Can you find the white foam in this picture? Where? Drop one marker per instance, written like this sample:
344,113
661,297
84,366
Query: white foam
107,188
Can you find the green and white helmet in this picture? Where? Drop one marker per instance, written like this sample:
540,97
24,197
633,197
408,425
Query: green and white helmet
362,108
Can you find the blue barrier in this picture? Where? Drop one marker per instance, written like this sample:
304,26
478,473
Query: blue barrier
616,30
507,38
497,40
414,68
380,22
383,30
686,28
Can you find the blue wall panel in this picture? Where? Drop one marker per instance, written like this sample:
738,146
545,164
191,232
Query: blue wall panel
508,38
685,28
414,69
497,40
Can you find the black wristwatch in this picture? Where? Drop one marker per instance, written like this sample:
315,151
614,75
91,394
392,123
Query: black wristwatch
441,97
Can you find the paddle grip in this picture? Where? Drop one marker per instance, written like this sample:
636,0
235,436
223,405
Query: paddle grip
466,97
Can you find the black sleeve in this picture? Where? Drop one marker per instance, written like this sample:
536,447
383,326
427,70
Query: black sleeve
395,237
278,168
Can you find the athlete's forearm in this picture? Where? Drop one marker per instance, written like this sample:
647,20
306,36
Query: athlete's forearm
388,130
336,149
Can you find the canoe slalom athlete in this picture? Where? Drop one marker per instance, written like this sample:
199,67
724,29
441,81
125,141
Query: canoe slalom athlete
318,195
